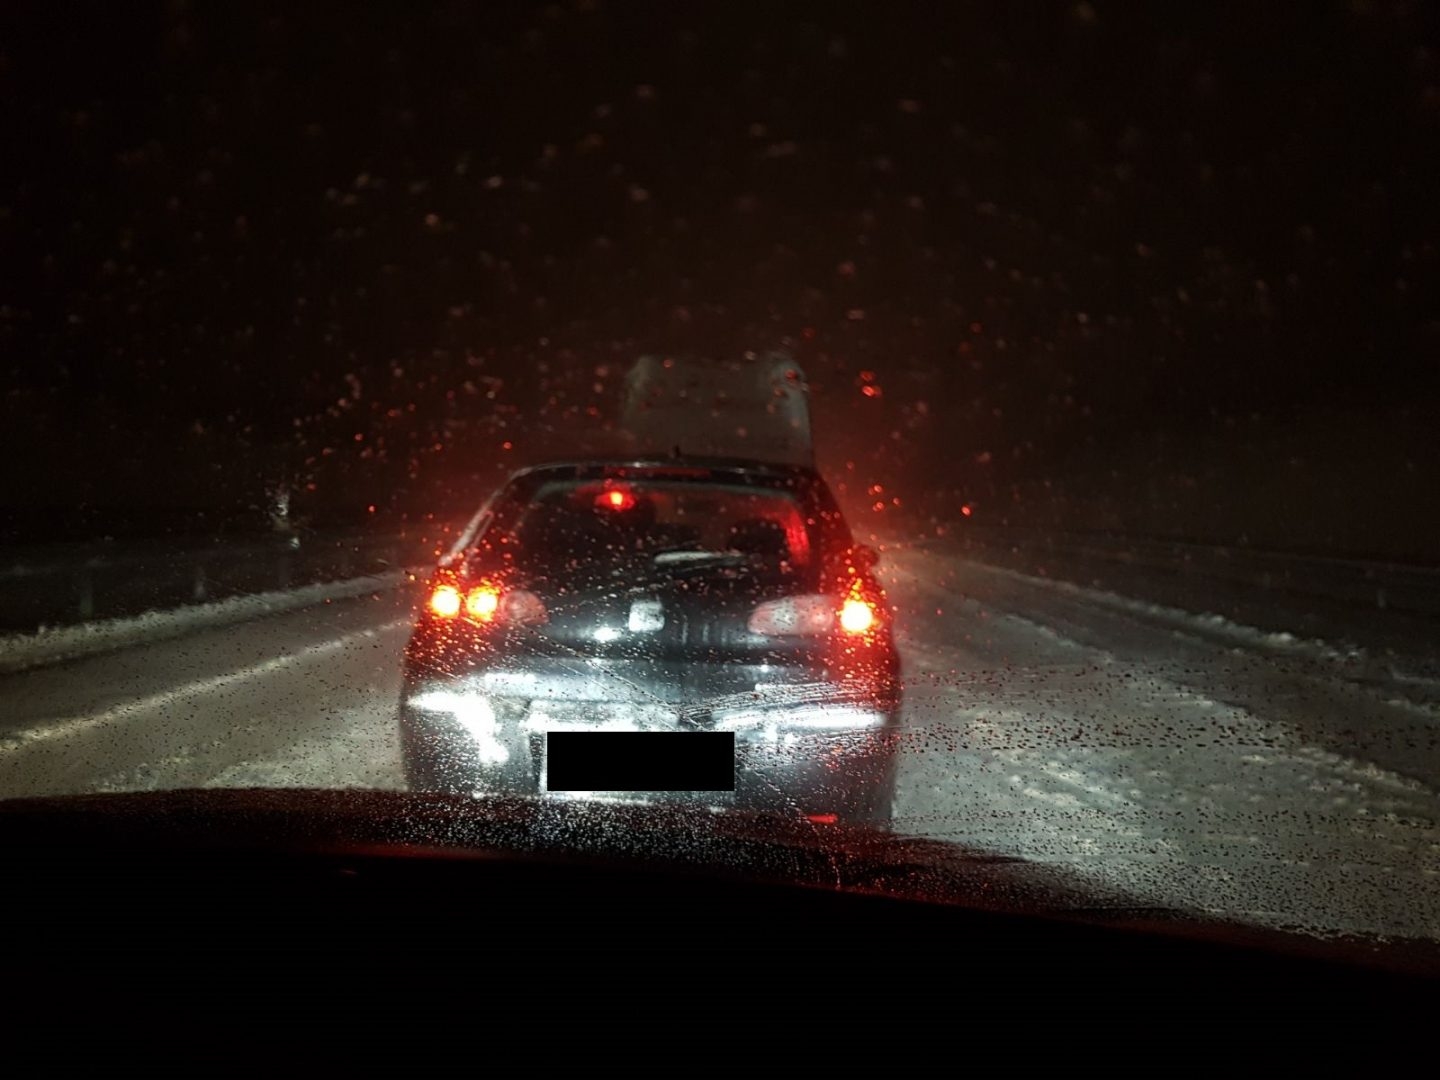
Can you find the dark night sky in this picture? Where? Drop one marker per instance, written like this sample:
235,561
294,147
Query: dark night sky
365,245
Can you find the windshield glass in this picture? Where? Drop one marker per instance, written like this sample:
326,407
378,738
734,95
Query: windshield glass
1064,491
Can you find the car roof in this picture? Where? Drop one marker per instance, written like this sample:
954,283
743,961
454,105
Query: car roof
729,467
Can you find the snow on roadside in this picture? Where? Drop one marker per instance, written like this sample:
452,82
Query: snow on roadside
1172,797
1216,627
21,651
1207,623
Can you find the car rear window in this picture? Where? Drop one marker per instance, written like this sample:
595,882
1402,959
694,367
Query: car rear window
570,522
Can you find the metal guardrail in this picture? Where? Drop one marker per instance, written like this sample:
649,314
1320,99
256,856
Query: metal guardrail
76,583
1366,582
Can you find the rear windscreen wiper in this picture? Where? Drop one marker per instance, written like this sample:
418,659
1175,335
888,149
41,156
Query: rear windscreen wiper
690,556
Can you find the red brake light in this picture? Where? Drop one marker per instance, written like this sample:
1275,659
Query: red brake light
857,616
445,601
615,499
482,602
488,604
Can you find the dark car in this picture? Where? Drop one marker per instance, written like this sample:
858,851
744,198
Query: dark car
676,595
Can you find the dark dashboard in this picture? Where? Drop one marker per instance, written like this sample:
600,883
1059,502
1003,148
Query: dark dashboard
285,907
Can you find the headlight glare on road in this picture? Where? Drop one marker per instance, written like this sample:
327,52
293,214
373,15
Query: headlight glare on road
475,714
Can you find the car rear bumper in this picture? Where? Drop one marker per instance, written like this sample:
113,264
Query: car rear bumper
803,740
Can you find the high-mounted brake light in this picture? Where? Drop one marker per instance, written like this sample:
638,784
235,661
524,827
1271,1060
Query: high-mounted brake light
615,499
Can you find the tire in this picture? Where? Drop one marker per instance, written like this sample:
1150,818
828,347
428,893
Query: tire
875,807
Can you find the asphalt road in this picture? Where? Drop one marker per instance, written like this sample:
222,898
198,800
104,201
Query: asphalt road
1175,769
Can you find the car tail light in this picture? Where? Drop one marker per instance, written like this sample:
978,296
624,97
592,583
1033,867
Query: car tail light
615,499
794,616
857,615
488,604
523,607
812,616
445,601
482,602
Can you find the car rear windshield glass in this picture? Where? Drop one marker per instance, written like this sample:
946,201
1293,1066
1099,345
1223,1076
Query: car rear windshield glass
577,522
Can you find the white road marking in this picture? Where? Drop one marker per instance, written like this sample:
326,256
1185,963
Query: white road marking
68,727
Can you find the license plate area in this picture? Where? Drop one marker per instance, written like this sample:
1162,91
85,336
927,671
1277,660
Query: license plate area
655,765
